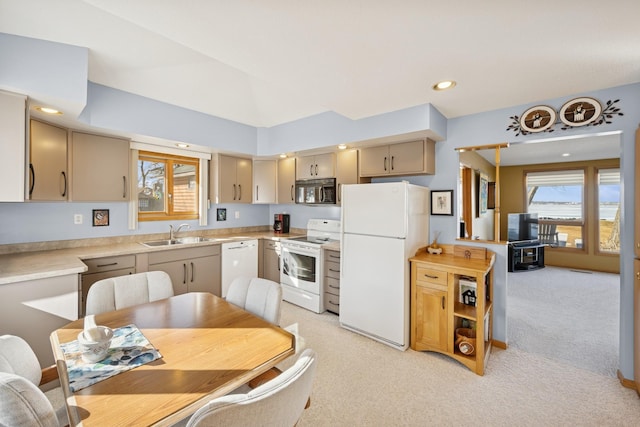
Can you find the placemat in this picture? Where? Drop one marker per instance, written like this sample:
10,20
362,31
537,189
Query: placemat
129,348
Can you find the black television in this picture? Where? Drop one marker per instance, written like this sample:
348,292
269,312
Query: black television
522,227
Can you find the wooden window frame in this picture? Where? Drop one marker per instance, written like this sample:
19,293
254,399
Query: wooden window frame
169,160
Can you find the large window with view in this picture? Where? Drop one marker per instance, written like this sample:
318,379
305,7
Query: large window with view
168,187
609,210
558,199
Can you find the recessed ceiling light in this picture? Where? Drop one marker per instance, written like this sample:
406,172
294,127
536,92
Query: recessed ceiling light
283,156
566,154
444,85
182,145
48,110
342,147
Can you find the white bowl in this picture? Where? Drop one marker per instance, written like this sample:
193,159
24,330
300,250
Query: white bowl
94,343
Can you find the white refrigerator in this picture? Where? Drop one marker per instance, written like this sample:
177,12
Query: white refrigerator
383,224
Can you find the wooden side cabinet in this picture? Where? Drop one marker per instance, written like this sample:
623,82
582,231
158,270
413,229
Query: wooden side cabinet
445,305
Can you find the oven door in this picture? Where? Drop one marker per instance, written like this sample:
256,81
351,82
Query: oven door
300,267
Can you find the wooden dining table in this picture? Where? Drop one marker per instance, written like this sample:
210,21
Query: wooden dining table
209,348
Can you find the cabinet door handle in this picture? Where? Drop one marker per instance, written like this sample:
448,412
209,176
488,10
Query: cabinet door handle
184,274
239,192
124,187
234,191
385,163
316,170
278,262
257,194
106,265
339,193
33,178
430,276
193,272
443,303
64,180
311,170
392,158
292,193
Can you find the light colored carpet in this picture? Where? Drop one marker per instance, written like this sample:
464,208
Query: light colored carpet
362,382
566,315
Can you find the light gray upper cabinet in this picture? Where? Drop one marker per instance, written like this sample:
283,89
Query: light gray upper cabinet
12,143
407,158
286,180
100,168
48,174
231,179
318,166
264,181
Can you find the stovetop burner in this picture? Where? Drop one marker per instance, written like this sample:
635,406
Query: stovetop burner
319,232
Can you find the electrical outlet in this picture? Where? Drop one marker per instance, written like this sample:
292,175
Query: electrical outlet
77,219
237,214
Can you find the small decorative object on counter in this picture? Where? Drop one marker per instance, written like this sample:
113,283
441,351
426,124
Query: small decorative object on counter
466,340
434,248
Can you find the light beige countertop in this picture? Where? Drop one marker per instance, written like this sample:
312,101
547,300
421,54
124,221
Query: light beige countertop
31,261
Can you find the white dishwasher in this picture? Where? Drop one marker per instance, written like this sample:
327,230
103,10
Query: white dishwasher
239,258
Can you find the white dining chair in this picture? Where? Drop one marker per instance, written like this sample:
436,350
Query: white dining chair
258,296
119,292
22,401
278,402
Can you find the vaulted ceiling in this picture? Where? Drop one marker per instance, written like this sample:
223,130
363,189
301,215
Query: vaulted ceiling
269,62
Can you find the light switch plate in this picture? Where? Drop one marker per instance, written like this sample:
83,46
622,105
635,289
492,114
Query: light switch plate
77,219
237,214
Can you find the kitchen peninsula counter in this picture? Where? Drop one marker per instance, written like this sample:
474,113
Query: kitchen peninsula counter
32,261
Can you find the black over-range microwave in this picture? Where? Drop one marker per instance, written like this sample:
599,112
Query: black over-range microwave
316,191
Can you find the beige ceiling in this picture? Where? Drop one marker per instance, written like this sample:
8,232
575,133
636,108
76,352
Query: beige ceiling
269,62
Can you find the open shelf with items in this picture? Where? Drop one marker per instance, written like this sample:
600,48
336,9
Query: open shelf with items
452,304
525,257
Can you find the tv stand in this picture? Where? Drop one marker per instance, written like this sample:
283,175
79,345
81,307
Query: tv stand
525,257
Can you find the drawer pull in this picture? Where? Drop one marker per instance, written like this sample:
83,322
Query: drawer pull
335,271
106,265
334,256
430,276
333,303
334,287
443,303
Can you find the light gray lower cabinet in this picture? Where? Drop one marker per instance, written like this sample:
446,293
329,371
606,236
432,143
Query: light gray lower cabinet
34,309
270,260
191,269
103,268
332,281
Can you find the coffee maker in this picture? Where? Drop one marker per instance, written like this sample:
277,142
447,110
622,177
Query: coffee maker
281,223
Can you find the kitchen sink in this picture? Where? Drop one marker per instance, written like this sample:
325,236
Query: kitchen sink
180,241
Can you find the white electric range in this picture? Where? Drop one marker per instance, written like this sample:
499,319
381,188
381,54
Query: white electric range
301,264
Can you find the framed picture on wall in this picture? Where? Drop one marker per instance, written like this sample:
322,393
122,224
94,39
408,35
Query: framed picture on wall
483,194
442,202
100,217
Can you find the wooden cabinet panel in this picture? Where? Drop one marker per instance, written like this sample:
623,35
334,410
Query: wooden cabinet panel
264,181
12,146
286,180
190,269
233,180
271,260
430,327
100,168
318,166
406,158
48,177
346,170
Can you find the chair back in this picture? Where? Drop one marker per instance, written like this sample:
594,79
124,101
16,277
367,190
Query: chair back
17,357
119,292
258,296
279,402
547,234
24,404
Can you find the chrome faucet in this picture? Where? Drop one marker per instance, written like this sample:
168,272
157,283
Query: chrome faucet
172,232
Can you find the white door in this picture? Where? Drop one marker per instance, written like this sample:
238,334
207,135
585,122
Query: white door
374,293
375,209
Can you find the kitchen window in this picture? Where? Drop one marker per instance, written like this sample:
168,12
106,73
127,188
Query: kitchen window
168,187
609,210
